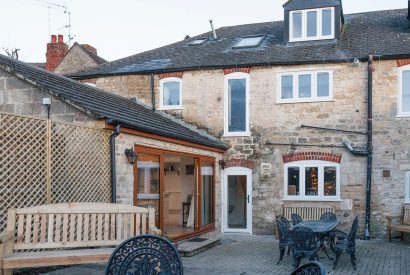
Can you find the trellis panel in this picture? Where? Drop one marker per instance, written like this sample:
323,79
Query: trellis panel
48,162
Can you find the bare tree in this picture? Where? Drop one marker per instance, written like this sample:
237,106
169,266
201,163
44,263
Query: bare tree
13,53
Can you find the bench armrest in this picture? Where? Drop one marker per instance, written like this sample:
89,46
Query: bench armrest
393,217
6,235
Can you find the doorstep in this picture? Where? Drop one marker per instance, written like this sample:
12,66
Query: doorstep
196,245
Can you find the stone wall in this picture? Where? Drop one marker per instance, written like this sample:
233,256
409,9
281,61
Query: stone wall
22,98
75,60
203,96
125,172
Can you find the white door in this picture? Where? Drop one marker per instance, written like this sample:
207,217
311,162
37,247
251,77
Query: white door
237,200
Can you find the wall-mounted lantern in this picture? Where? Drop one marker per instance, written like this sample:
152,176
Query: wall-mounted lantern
131,156
222,163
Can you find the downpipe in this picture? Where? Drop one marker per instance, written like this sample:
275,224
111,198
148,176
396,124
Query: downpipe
113,167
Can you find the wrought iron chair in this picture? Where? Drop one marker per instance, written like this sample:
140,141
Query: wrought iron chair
310,268
285,222
347,244
146,254
296,219
305,244
328,217
330,236
284,239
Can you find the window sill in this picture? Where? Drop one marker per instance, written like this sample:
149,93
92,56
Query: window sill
313,38
239,134
313,199
281,101
170,108
403,116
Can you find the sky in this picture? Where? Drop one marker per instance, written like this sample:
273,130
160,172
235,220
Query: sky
120,28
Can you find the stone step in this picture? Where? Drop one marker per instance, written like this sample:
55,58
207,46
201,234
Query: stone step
196,245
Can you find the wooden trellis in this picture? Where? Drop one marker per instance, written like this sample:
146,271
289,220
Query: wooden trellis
48,162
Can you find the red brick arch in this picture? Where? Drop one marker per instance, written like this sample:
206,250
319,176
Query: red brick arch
174,74
237,70
239,163
312,156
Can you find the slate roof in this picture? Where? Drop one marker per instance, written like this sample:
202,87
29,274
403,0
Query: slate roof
104,105
383,33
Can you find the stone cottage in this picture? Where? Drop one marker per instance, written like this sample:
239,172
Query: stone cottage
167,147
305,104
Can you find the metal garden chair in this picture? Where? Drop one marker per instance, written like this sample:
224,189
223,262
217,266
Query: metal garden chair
146,255
284,239
328,217
310,268
285,222
296,219
347,244
330,236
305,244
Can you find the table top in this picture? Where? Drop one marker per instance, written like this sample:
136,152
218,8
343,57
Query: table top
318,226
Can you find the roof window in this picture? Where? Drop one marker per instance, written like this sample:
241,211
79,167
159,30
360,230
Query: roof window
250,41
198,41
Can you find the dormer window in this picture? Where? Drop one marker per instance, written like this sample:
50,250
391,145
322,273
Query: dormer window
312,24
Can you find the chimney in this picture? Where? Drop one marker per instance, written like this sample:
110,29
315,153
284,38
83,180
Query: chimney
55,52
211,21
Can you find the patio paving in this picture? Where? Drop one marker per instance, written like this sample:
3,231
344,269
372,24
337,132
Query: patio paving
242,254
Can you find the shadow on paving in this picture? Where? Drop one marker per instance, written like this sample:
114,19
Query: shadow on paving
243,254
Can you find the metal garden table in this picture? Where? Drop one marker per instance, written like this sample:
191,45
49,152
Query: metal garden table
321,228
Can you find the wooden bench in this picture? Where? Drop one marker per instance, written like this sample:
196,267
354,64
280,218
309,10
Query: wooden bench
306,213
404,225
69,233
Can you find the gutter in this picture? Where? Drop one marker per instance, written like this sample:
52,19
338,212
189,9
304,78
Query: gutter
369,145
113,170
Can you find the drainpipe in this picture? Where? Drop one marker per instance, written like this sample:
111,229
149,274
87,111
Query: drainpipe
113,171
152,92
369,145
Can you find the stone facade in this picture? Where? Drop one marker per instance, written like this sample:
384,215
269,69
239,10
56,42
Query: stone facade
274,123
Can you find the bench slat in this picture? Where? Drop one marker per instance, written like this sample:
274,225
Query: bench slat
112,227
50,228
65,227
93,225
36,226
106,225
72,227
86,227
99,227
79,227
126,226
27,238
132,225
20,228
144,224
43,232
138,225
57,235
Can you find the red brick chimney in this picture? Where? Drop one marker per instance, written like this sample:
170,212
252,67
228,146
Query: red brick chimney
56,50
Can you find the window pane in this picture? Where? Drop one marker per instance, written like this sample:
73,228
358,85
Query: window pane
249,41
287,87
237,105
171,94
406,91
329,181
305,85
297,24
293,181
207,171
323,84
237,202
312,23
311,181
326,22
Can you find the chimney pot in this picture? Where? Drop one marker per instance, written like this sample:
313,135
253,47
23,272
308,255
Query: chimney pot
60,38
53,38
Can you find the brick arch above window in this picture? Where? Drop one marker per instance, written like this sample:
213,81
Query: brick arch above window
239,163
403,62
174,74
301,156
237,70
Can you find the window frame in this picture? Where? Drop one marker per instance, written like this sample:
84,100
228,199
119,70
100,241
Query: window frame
198,41
262,38
161,94
314,87
319,24
400,112
237,75
407,187
311,163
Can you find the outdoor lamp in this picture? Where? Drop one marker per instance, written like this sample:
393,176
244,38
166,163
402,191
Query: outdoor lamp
222,163
131,156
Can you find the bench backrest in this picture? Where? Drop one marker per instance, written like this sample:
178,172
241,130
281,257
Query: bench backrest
306,213
405,215
78,225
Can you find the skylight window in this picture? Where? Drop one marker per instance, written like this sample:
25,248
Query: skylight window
250,42
198,41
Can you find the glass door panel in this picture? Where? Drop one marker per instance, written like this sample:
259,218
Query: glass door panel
207,172
148,182
237,201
